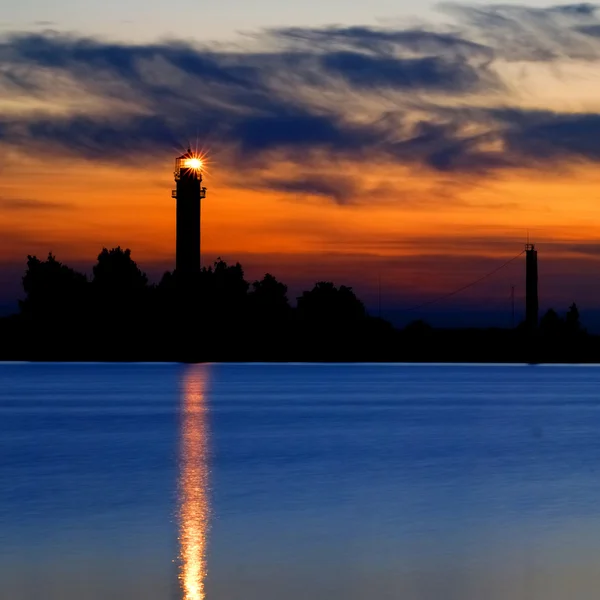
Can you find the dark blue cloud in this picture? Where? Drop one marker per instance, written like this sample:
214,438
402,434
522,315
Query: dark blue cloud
385,41
288,102
545,136
82,54
584,9
301,131
434,73
443,147
295,133
342,190
591,30
91,137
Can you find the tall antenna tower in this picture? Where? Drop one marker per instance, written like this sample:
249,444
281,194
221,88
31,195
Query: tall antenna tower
531,286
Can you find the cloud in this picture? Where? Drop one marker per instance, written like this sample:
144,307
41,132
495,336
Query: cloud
28,204
525,33
590,249
545,136
592,30
342,190
364,71
421,97
448,146
383,41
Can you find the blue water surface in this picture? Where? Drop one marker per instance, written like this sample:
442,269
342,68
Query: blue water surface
424,482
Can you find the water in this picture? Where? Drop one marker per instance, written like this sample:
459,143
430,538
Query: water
273,482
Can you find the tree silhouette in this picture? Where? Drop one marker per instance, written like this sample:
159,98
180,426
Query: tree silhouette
269,298
217,315
418,329
228,280
117,272
551,324
167,281
53,290
572,322
219,318
327,304
223,288
269,318
120,295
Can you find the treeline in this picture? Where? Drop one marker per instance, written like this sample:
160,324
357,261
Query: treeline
116,315
557,339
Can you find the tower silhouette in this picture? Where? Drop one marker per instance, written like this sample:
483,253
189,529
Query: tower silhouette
188,194
531,287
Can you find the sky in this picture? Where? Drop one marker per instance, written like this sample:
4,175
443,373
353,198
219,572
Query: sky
223,21
402,148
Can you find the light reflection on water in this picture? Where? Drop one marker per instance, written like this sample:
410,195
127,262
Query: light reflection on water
193,496
326,482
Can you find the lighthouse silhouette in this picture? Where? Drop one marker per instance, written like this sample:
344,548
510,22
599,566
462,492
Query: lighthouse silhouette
188,195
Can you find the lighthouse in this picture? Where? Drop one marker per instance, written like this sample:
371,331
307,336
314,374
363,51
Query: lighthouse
188,196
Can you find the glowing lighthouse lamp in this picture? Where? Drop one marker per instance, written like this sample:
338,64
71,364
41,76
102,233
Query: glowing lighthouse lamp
188,194
193,163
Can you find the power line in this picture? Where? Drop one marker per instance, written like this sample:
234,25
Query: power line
464,287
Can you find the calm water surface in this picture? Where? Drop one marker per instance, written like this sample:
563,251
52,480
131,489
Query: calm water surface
272,482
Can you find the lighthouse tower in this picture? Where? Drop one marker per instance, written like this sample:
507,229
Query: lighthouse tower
188,195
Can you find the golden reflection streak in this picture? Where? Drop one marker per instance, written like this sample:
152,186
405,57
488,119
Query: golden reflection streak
193,492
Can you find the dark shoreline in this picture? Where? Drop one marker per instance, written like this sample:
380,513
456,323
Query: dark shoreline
477,346
216,315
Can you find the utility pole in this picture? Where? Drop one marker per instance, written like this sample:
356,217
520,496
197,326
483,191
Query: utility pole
512,300
379,294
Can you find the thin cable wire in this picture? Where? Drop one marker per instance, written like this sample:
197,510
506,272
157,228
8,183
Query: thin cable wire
464,287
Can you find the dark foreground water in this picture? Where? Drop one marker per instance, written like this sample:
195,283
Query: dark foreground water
290,482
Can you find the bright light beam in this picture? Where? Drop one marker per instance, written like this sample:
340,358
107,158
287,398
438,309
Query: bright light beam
194,163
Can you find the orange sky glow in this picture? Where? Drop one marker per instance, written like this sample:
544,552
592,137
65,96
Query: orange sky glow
75,207
422,181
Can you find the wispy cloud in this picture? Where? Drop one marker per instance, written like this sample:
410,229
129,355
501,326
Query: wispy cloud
423,97
28,204
340,190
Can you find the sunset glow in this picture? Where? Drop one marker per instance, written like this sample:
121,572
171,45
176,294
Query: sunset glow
422,157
